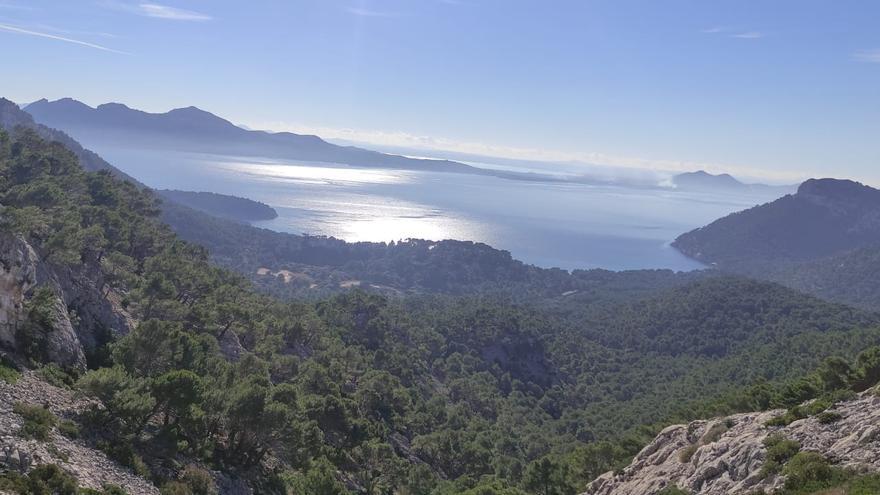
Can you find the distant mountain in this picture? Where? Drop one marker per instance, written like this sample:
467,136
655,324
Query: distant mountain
222,205
195,130
824,217
702,180
11,117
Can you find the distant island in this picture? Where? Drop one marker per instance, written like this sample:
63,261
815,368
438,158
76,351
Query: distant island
702,180
222,205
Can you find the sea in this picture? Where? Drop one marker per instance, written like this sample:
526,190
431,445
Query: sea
568,225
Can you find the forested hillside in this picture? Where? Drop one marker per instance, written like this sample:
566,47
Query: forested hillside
824,240
825,217
221,205
363,393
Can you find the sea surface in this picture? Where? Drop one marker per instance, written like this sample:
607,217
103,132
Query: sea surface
549,224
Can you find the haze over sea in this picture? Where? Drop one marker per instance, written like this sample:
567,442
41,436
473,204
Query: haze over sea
565,225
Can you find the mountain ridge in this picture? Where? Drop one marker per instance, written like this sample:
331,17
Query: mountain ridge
194,129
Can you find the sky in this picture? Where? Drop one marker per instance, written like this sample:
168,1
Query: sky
778,90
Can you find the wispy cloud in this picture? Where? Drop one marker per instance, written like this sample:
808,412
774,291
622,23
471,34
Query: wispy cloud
171,13
733,33
5,5
870,56
748,35
157,11
40,34
370,13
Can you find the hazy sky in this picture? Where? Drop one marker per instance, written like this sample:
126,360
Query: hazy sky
783,89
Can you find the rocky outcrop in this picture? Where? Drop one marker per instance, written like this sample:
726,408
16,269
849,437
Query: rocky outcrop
725,455
92,468
17,277
83,317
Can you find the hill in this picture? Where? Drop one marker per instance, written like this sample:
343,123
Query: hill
221,205
193,129
184,361
704,181
825,217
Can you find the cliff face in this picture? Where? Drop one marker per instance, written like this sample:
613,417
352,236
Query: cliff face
81,318
725,455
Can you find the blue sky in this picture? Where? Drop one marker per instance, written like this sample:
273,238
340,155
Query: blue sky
776,89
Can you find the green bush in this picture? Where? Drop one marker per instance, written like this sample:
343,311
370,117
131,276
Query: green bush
779,451
865,485
58,453
673,490
199,481
808,472
38,421
8,374
123,452
107,490
49,479
175,488
69,429
828,417
55,375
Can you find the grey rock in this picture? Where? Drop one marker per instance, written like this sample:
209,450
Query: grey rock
731,463
83,315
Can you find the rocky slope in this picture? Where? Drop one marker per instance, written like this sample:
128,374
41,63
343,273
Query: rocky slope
81,315
725,455
91,467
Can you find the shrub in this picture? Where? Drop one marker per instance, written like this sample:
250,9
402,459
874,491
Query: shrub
779,451
865,485
714,433
113,490
31,337
49,479
55,375
69,429
38,421
808,472
58,453
123,452
828,417
8,374
687,453
199,481
673,490
175,488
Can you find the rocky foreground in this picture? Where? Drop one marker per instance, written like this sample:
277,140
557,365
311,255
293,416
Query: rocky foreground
725,455
92,468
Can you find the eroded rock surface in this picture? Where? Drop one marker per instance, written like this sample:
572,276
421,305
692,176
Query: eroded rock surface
729,452
84,316
91,467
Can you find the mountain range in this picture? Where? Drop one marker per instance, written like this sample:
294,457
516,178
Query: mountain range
195,130
192,129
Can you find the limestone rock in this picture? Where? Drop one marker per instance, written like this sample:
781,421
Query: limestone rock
92,468
83,315
728,460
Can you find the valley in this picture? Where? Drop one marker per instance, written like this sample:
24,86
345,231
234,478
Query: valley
417,366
